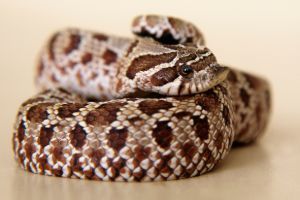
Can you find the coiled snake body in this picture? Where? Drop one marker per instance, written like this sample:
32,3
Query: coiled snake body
157,107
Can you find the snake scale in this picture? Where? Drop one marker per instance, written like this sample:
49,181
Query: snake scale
152,108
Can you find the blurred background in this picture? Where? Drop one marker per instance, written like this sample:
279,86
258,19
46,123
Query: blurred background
262,37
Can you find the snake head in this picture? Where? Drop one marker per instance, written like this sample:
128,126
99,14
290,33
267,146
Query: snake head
192,70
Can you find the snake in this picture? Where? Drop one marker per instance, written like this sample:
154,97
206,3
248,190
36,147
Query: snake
155,107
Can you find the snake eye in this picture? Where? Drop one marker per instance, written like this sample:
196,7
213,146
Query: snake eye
186,70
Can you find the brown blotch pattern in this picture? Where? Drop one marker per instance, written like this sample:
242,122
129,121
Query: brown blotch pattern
67,110
33,100
203,63
164,76
40,68
117,138
105,114
152,106
226,115
258,112
143,63
54,78
180,115
186,59
73,44
109,57
268,99
58,153
100,37
51,46
189,150
75,163
38,113
131,47
232,77
208,101
45,136
87,57
201,127
245,97
96,155
77,136
162,134
29,150
253,82
21,132
80,79
219,140
141,152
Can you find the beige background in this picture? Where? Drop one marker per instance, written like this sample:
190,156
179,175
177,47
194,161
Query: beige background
258,36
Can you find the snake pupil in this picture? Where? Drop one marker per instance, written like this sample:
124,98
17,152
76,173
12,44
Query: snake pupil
186,70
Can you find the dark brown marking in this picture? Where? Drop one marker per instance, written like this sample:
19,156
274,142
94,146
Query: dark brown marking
223,89
38,113
232,77
142,153
163,166
182,114
31,101
258,113
208,155
219,140
45,136
119,164
80,79
185,59
226,115
93,76
109,57
100,37
96,156
21,131
162,134
131,47
29,150
77,136
245,97
75,163
54,78
104,115
71,64
208,101
201,127
152,106
189,150
164,76
87,57
203,63
244,130
67,110
40,68
63,91
117,138
75,40
42,161
143,63
51,46
57,171
253,82
58,153
138,176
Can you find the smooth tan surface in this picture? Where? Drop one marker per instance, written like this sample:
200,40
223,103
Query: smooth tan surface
257,36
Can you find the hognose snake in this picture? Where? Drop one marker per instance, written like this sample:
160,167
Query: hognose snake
156,107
